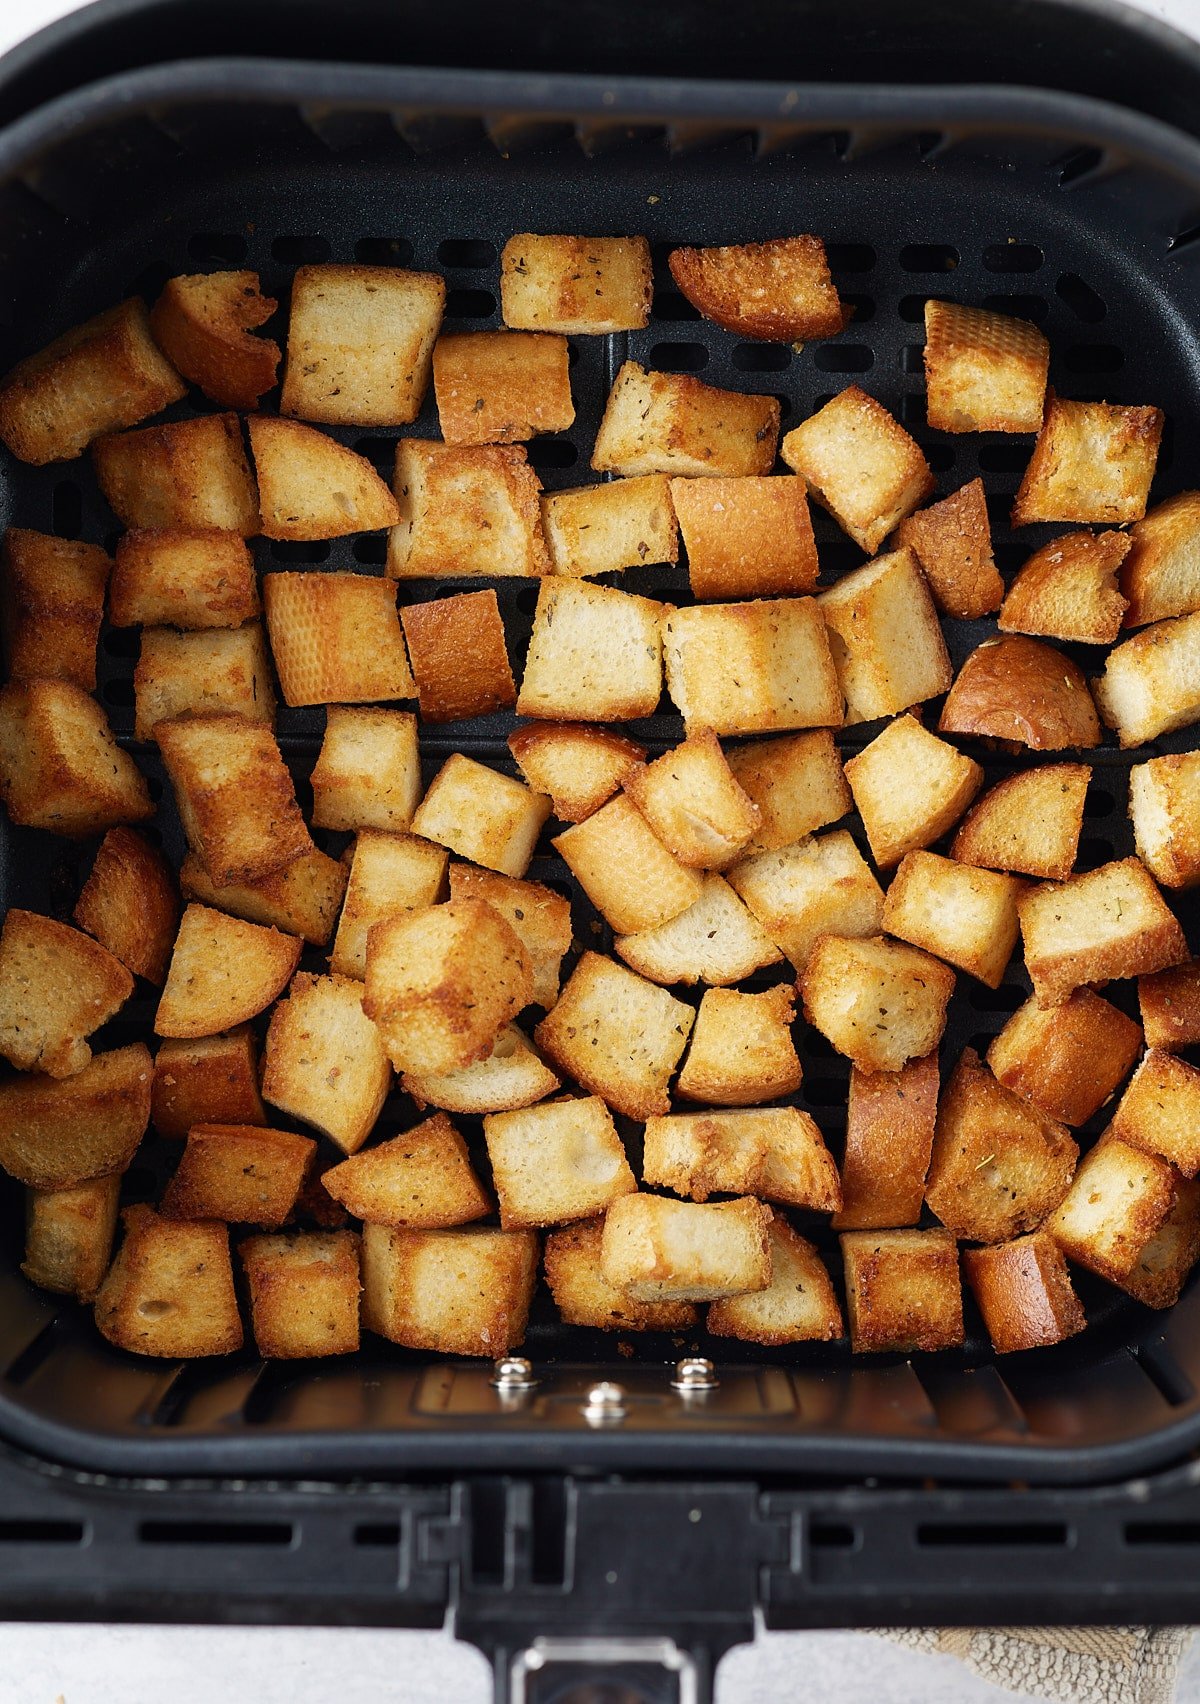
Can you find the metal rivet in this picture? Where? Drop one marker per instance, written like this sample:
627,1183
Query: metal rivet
605,1404
513,1373
694,1375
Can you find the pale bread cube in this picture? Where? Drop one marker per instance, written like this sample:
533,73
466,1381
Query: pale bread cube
459,656
312,487
605,528
482,815
890,1120
130,904
239,1173
819,886
680,1251
215,672
336,638
952,541
1068,590
60,767
1029,823
1161,574
1151,683
779,290
57,1132
301,899
578,766
1164,1261
368,771
57,985
189,474
210,1079
1120,1199
223,972
693,803
965,915
304,1293
1160,1111
1164,805
68,1236
1024,1293
538,916
797,1306
203,323
673,423
878,1002
171,577
1022,692
742,1052
512,1076
903,1290
388,873
1093,463
1169,1001
459,1292
472,510
860,464
51,606
1066,1059
746,538
1110,923
716,941
797,783
498,387
625,870
583,1296
557,1162
910,788
324,1060
885,638
422,1179
749,668
170,1290
578,286
984,372
775,1152
594,652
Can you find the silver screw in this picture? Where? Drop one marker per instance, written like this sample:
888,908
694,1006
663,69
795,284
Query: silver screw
605,1404
513,1373
694,1375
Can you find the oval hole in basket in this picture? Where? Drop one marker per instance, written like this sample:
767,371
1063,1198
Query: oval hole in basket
226,246
928,257
1082,300
761,357
850,257
526,599
844,358
369,548
383,251
1013,257
941,457
1099,802
296,250
552,452
912,409
118,693
679,357
912,309
863,308
1094,358
470,304
470,252
122,641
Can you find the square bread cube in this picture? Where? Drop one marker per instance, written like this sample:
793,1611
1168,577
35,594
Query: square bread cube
748,668
459,1292
169,577
797,1306
1170,1006
336,638
1029,823
324,1060
1066,1059
242,1174
779,291
594,652
51,606
796,782
57,1132
203,323
984,372
1164,805
60,767
1023,693
715,940
1092,463
68,1236
211,1079
538,916
304,1292
680,1251
673,423
746,538
312,487
359,344
214,672
578,286
57,986
459,656
886,641
742,1052
890,1119
617,1035
1120,1199
625,870
903,1290
557,1162
878,1002
1068,590
301,899
1151,683
189,474
512,1076
222,973
170,1290
465,511
1161,574
482,815
1165,1260
819,886
605,528
368,771
964,915
1160,1111
498,387
860,464
583,1296
952,541
1110,923
910,788
422,1179
693,803
578,766
388,873
775,1152
1024,1293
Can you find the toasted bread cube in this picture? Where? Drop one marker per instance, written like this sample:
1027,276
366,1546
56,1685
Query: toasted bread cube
779,291
368,772
1160,1111
1164,803
130,905
1170,1006
984,372
51,606
557,1162
460,1292
618,1035
1151,683
303,1293
860,464
68,1236
202,322
60,767
222,972
240,1173
1068,590
359,343
777,1152
878,1002
170,1290
885,638
890,1119
679,1251
1028,823
819,886
1093,463
965,915
742,1050
797,1306
1111,922
166,576
583,1296
625,870
903,1290
482,815
673,423
1161,574
465,511
796,782
443,982
210,1080
910,788
575,285
1024,1293
746,538
1023,692
512,1076
1164,1261
336,638
605,528
715,941
208,673
693,803
301,899
1066,1059
578,766
388,873
1120,1199
55,1133
499,387
236,798
539,917
190,474
422,1179
56,986
324,1060
751,667
952,541
312,487
459,656
97,377
593,652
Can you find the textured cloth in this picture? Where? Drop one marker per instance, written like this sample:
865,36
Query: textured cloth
1069,1665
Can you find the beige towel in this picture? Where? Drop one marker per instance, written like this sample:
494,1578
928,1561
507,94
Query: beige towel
1071,1665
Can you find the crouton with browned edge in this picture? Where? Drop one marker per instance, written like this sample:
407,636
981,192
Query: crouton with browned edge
557,1162
797,1306
885,638
169,577
748,668
1151,683
819,886
1120,1199
68,1236
1066,1059
693,803
625,870
1161,574
878,1002
952,541
1110,923
1024,1293
512,1076
580,767
1170,1006
482,815
606,528
459,1292
1068,590
965,915
336,638
984,372
890,1119
1023,692
715,940
903,1290
465,511
60,767
1164,804
746,538
202,322
860,464
742,1052
1160,1111
796,782
56,987
499,387
388,873
211,1079
301,899
577,286
368,771
57,1133
170,1290
910,788
459,656
189,474
222,972
593,652
422,1179
583,1296
312,487
538,916
304,1293
1092,463
773,1152
779,291
681,1251
51,606
240,1173
216,672
674,423
1164,1261
359,344
129,903
324,1060
1028,823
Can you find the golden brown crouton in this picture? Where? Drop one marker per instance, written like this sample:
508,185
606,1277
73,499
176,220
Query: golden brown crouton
56,986
1160,1111
359,342
1120,1199
594,652
716,940
189,474
878,1002
368,771
1093,462
301,899
240,1173
465,511
749,668
68,1236
312,487
779,291
673,423
209,673
1170,1006
539,917
203,321
60,767
55,1134
512,1076
557,1162
578,766
459,656
97,377
388,873
776,1152
498,387
1028,823
1151,683
890,1118
625,870
164,576
819,886
886,641
618,524
952,540
222,972
910,788
1024,1293
693,803
170,1290
575,285
1164,1261
965,915
797,1306
795,781
482,815
679,1251
1111,922
130,904
212,1079
1022,691
742,1050
422,1179
984,372
1066,1059
1161,574
1164,805
903,1290
1068,590
860,464
336,638
51,606
746,538
583,1296
303,1293
460,1292
324,1060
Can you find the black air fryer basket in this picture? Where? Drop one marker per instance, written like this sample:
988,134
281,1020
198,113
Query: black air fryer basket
143,140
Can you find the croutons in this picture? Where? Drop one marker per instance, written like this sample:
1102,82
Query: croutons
605,528
577,286
746,538
312,487
465,511
1024,1293
459,656
512,1076
60,767
890,1118
97,377
129,903
1120,1199
1157,1275
482,815
999,1164
202,323
578,766
673,423
422,1179
55,1134
1111,922
301,899
910,788
388,873
903,1290
56,986
1022,691
1164,804
336,638
618,1035
1161,574
1151,683
240,1173
625,870
1028,823
324,1060
539,917
359,343
555,1163
885,638
984,372
795,781
222,972
952,540
1068,590
965,915
593,652
170,1290
1066,1059
876,1001
715,940
51,606
68,1236
368,771
189,474
797,1306
742,1052
860,464
693,803
1092,463
1169,1001
583,1296
168,577
1160,1111
211,673
498,387
679,1251
460,1292
211,1079
818,886
748,668
303,1293
776,1152
779,291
